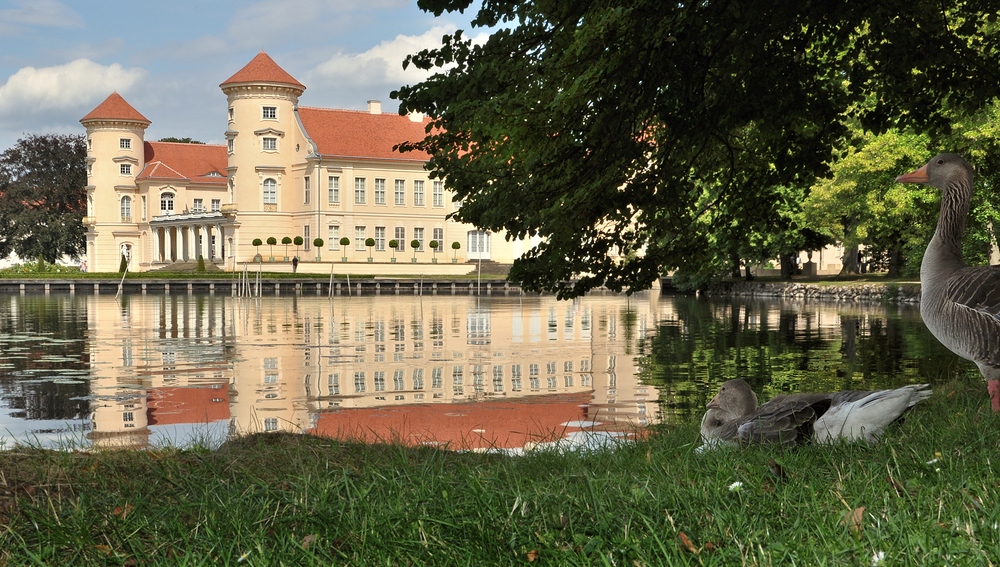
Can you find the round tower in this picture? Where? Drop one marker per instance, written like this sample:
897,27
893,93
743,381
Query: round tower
262,135
115,156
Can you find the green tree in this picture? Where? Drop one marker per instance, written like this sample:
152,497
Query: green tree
271,241
43,197
286,240
610,129
298,242
862,203
180,140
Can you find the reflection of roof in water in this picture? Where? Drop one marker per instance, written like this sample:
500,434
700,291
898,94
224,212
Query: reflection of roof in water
172,405
493,424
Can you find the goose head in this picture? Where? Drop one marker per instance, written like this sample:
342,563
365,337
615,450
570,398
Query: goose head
734,400
943,171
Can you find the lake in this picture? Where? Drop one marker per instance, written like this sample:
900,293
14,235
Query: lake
87,371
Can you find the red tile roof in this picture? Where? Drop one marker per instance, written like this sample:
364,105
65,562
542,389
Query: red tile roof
262,69
115,108
356,133
172,160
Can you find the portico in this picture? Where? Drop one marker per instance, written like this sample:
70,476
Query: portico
185,237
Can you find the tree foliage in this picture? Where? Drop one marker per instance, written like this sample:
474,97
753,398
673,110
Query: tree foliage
612,130
43,195
180,140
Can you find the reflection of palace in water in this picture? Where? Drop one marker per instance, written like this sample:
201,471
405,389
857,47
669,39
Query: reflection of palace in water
463,371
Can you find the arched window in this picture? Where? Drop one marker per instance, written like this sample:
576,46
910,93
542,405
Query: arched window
126,209
166,203
270,191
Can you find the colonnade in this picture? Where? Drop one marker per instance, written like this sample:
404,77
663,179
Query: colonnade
186,242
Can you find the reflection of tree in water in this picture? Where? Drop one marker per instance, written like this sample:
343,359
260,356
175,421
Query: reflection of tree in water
711,341
30,364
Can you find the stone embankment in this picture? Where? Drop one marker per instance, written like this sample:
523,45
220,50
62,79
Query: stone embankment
869,292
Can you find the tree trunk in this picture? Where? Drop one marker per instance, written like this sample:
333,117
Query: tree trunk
895,261
850,259
734,258
787,267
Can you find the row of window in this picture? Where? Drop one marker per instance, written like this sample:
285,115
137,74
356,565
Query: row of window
379,236
266,113
167,206
457,379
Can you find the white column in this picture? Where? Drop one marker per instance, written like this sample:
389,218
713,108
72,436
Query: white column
173,235
156,245
206,242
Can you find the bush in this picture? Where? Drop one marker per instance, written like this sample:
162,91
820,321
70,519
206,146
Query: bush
394,244
344,241
201,264
414,244
318,242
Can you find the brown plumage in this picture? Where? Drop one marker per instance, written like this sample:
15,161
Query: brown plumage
958,303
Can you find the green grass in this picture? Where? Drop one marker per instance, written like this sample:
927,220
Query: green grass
282,499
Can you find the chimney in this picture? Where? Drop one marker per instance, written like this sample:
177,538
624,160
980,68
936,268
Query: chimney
374,107
416,117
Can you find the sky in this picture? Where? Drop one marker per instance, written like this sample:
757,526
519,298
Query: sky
60,59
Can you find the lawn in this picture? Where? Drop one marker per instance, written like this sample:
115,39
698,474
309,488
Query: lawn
927,495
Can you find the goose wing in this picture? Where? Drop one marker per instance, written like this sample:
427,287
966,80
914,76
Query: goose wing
786,420
975,293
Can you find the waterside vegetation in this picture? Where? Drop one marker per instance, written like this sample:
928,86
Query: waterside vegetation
926,495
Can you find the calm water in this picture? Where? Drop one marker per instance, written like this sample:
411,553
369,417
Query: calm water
463,372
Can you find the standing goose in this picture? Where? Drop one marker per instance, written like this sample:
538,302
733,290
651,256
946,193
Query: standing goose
958,303
733,417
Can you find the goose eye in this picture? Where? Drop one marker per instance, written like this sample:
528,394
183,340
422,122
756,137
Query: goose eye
940,162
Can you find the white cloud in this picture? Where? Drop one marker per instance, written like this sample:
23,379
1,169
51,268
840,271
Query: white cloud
381,65
40,13
77,85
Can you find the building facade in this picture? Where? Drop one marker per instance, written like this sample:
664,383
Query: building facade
286,171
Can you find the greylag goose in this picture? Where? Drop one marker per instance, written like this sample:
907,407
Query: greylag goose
959,304
733,417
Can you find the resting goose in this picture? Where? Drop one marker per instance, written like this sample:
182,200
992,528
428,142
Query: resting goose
733,417
959,304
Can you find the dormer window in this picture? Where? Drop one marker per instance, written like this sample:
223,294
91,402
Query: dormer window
269,144
125,143
270,113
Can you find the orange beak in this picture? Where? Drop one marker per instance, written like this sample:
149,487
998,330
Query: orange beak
918,176
714,404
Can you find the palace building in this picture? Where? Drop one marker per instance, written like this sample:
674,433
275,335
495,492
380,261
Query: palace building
286,171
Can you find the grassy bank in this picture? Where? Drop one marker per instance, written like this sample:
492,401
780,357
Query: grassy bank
928,495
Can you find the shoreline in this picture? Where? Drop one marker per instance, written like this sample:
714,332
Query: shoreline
891,292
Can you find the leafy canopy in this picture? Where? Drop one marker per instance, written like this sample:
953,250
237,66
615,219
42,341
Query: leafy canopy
608,130
43,196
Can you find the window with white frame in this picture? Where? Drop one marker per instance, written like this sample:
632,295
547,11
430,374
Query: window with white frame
400,235
198,206
230,144
333,231
269,113
125,143
380,238
270,191
126,169
438,193
166,203
399,192
216,205
269,144
359,237
333,189
418,193
359,190
380,191
126,209
270,424
306,239
439,236
305,190
418,235
232,114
